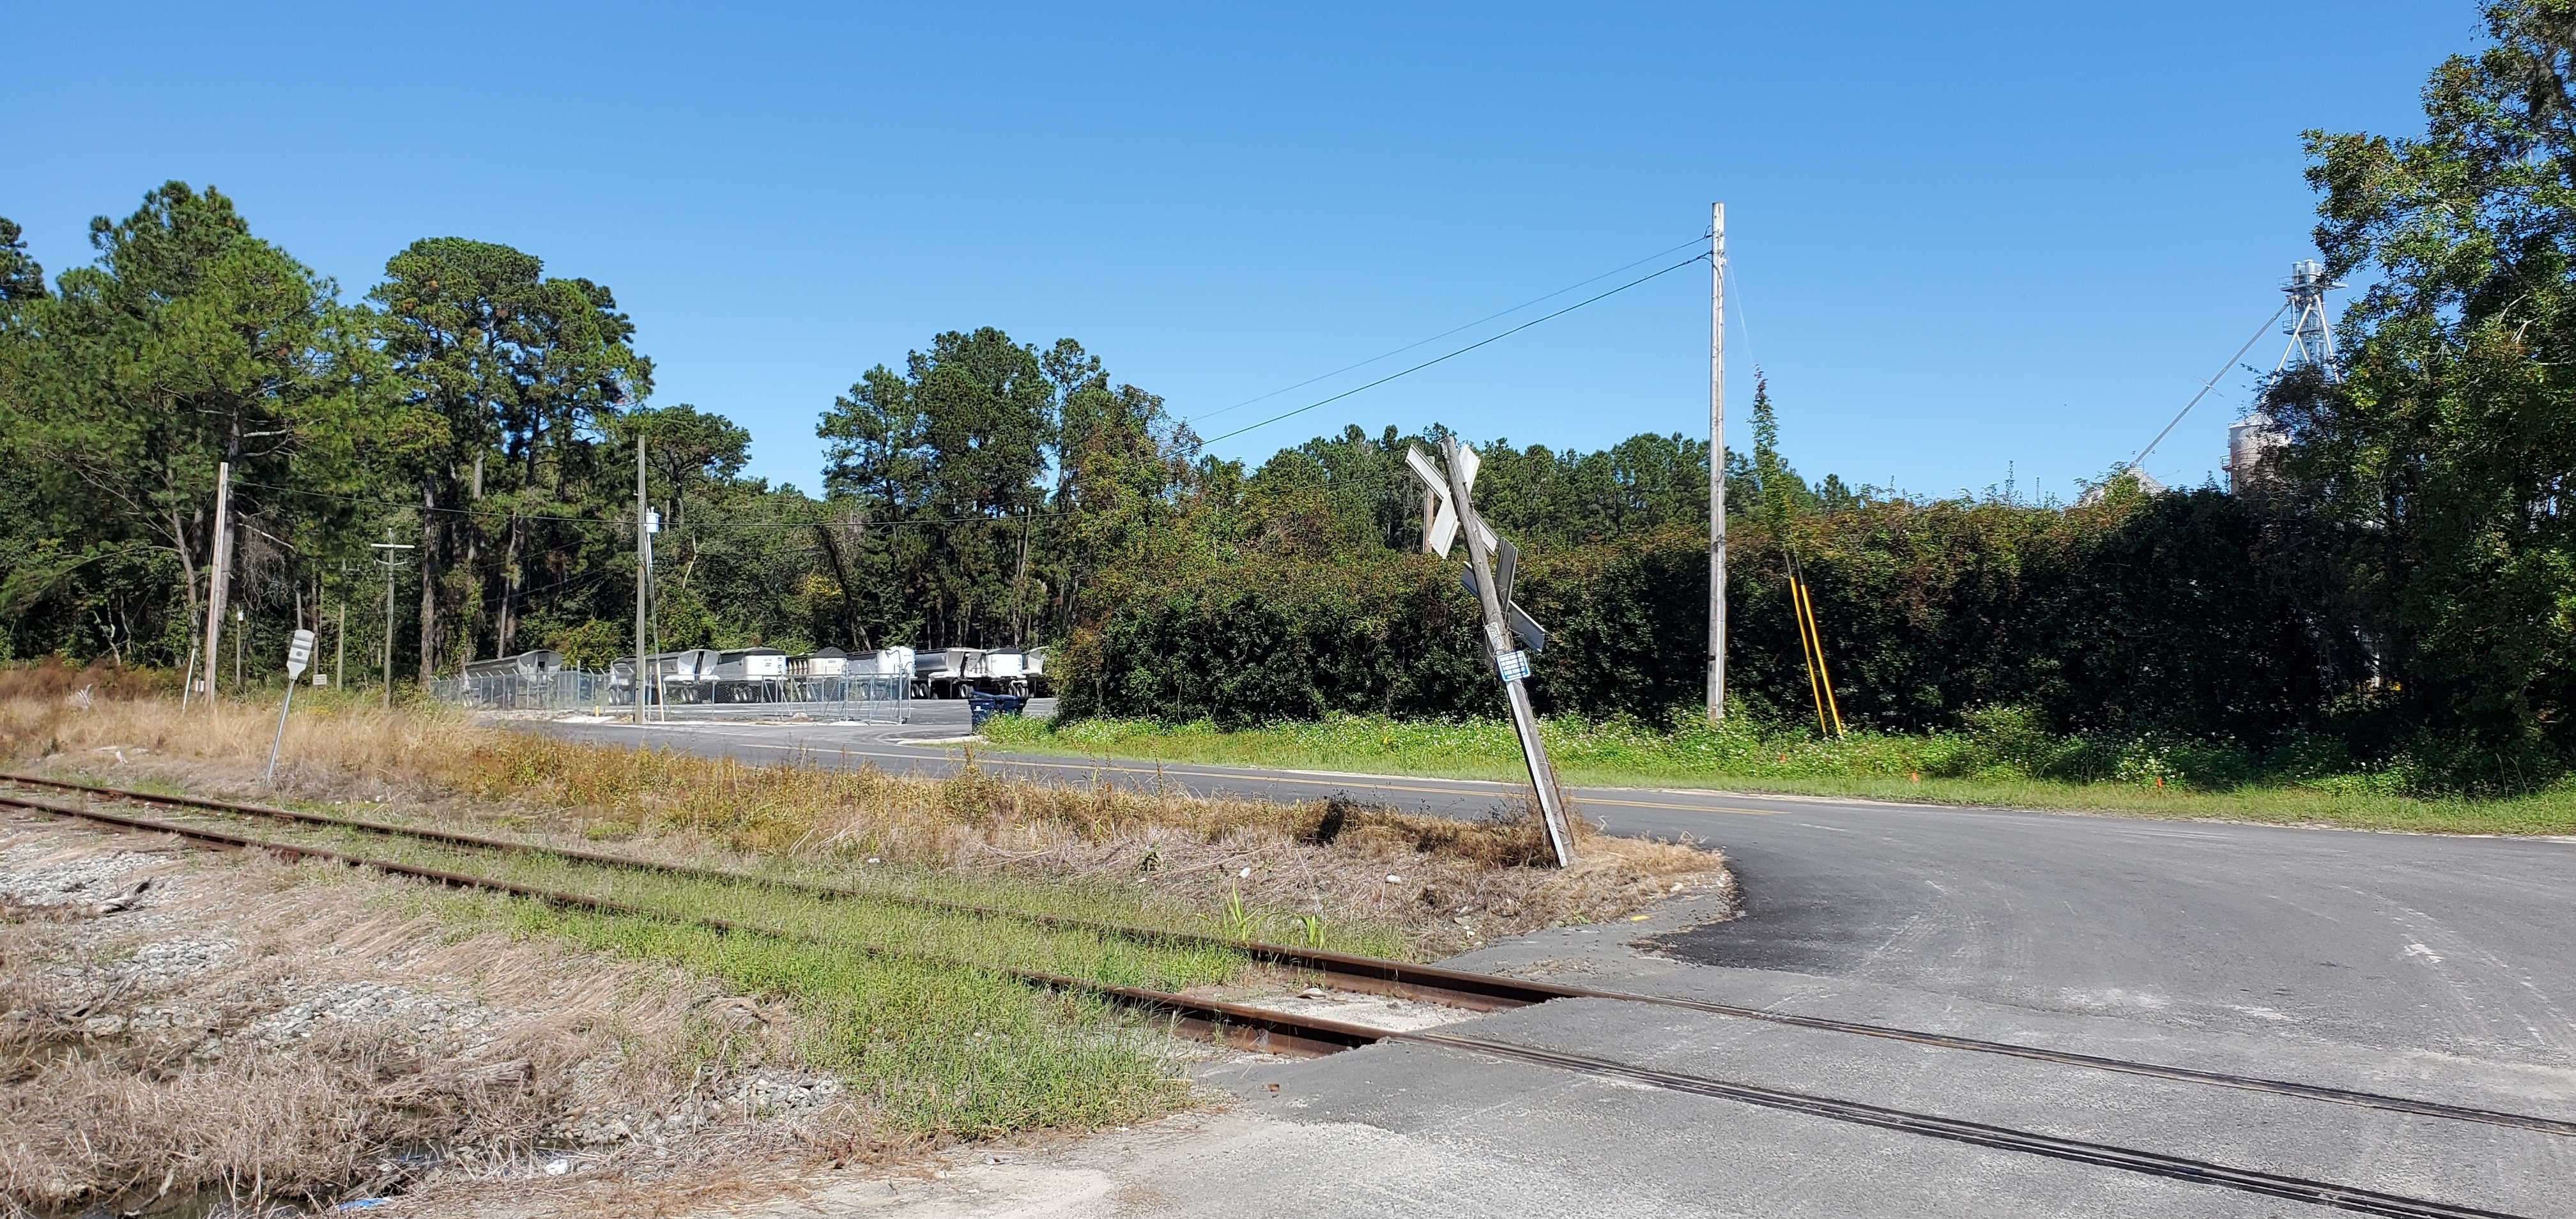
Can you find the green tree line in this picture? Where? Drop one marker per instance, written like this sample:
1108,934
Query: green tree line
467,432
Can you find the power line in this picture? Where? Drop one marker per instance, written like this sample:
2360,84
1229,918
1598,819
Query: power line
2211,383
594,520
1461,351
1446,333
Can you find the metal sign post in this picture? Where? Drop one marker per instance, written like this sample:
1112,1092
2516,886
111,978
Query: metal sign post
1452,512
298,654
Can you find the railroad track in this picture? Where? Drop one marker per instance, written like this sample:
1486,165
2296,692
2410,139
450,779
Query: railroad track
1261,1029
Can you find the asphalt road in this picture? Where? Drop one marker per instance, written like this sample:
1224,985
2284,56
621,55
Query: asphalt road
2440,967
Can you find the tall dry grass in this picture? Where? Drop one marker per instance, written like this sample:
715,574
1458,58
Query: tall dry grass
126,1088
1456,883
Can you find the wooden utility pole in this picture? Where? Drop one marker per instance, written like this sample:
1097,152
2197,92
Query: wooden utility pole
1716,461
392,560
389,625
219,586
643,578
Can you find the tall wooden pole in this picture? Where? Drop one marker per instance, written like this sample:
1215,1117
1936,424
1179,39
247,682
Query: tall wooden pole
390,555
1716,461
219,586
387,627
643,578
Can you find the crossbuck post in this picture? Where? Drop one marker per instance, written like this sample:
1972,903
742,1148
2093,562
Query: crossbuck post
1511,664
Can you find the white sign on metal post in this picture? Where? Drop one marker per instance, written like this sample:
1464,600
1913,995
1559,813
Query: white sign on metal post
1514,666
299,653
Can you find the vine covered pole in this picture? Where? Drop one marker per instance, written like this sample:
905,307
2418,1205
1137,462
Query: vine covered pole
219,585
1716,462
643,575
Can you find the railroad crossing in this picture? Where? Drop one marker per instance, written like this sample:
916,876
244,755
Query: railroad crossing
2424,967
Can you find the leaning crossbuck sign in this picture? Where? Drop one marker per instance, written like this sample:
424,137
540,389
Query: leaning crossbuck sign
1491,563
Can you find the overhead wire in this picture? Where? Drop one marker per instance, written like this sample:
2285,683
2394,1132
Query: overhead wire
596,520
505,514
1459,352
1446,333
2208,385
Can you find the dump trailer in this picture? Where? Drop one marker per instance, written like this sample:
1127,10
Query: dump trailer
535,666
686,676
1017,672
884,662
948,672
749,675
821,662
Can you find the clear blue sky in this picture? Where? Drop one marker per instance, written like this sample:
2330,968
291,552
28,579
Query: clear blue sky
1967,235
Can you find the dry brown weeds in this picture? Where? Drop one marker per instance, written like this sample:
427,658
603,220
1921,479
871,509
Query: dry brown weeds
122,1079
255,1031
1438,885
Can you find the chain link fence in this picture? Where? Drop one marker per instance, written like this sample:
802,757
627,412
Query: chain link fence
563,690
866,698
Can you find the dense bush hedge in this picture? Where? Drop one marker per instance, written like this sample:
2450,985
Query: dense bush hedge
2180,612
1271,637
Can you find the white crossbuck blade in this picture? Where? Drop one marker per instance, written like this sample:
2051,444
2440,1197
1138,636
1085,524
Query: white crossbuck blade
1442,530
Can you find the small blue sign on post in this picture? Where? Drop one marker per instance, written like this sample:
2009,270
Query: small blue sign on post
1513,665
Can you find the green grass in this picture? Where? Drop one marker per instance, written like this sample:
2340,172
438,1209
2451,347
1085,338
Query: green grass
879,925
1990,765
938,1050
913,1008
910,1003
893,884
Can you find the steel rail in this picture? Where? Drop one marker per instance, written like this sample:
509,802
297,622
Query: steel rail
1227,1023
1377,975
2300,1189
1262,1030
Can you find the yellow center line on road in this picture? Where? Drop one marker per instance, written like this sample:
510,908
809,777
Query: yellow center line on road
1346,784
1687,808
